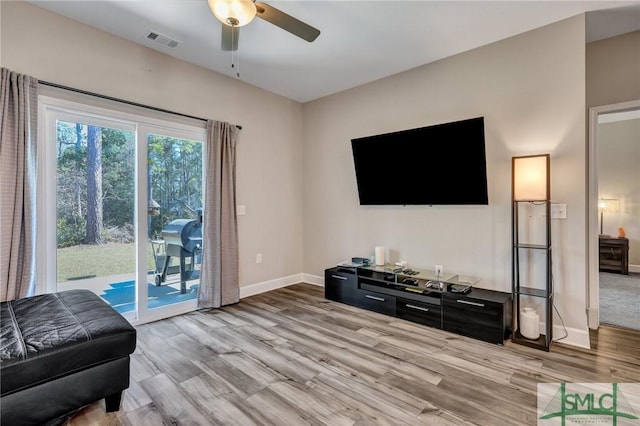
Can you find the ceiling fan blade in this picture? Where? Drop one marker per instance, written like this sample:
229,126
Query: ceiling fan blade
286,22
230,37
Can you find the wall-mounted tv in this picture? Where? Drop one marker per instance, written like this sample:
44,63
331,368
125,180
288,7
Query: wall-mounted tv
442,164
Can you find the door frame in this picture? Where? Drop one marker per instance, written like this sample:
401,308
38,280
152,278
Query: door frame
593,270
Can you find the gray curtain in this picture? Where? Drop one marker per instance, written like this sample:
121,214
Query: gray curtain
18,132
219,272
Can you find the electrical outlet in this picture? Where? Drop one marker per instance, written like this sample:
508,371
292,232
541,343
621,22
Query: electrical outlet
259,258
439,270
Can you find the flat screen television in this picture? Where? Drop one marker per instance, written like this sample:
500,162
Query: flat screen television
443,164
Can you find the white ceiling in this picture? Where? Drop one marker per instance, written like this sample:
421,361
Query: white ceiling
360,41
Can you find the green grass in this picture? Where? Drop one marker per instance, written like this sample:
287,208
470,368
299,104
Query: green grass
88,261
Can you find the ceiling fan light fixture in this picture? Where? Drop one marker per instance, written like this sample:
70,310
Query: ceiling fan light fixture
234,13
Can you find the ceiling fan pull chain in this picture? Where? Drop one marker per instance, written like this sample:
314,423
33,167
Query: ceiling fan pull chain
233,61
233,57
238,63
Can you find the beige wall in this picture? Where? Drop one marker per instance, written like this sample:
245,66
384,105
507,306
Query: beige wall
613,70
531,91
269,176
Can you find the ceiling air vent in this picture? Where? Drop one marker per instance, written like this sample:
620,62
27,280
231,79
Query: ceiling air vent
162,39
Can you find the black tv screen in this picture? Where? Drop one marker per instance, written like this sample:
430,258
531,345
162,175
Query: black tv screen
443,164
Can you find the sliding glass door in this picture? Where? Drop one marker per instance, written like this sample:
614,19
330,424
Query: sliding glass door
127,195
174,218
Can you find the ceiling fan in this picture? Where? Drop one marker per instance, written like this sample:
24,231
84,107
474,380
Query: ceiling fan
236,13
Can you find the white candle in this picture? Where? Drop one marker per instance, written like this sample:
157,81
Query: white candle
379,256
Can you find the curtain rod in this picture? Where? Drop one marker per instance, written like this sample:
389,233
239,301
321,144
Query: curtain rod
110,98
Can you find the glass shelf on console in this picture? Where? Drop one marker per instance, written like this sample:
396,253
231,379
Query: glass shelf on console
418,274
413,279
463,281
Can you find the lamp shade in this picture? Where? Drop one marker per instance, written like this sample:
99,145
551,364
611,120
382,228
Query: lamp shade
234,13
530,175
609,205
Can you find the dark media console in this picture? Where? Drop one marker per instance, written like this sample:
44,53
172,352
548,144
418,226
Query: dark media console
449,302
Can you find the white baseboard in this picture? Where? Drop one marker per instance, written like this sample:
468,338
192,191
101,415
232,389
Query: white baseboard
257,288
313,279
634,268
575,336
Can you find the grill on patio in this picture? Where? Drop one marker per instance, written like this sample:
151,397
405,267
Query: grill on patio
182,239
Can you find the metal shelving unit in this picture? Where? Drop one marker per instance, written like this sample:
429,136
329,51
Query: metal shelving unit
532,274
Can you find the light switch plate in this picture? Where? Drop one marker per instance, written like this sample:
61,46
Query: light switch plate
241,210
558,211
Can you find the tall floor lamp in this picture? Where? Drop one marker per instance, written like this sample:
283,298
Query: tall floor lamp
609,205
531,195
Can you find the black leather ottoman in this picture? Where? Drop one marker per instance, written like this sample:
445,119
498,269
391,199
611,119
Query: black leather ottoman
60,352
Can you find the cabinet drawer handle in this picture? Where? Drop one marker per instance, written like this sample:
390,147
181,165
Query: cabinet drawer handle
466,302
338,277
379,299
419,308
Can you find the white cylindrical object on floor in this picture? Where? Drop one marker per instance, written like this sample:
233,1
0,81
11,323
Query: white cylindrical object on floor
380,256
529,324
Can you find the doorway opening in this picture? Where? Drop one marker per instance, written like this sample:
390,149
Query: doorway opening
614,215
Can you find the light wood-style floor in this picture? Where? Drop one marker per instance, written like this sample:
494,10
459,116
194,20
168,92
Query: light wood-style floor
291,357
